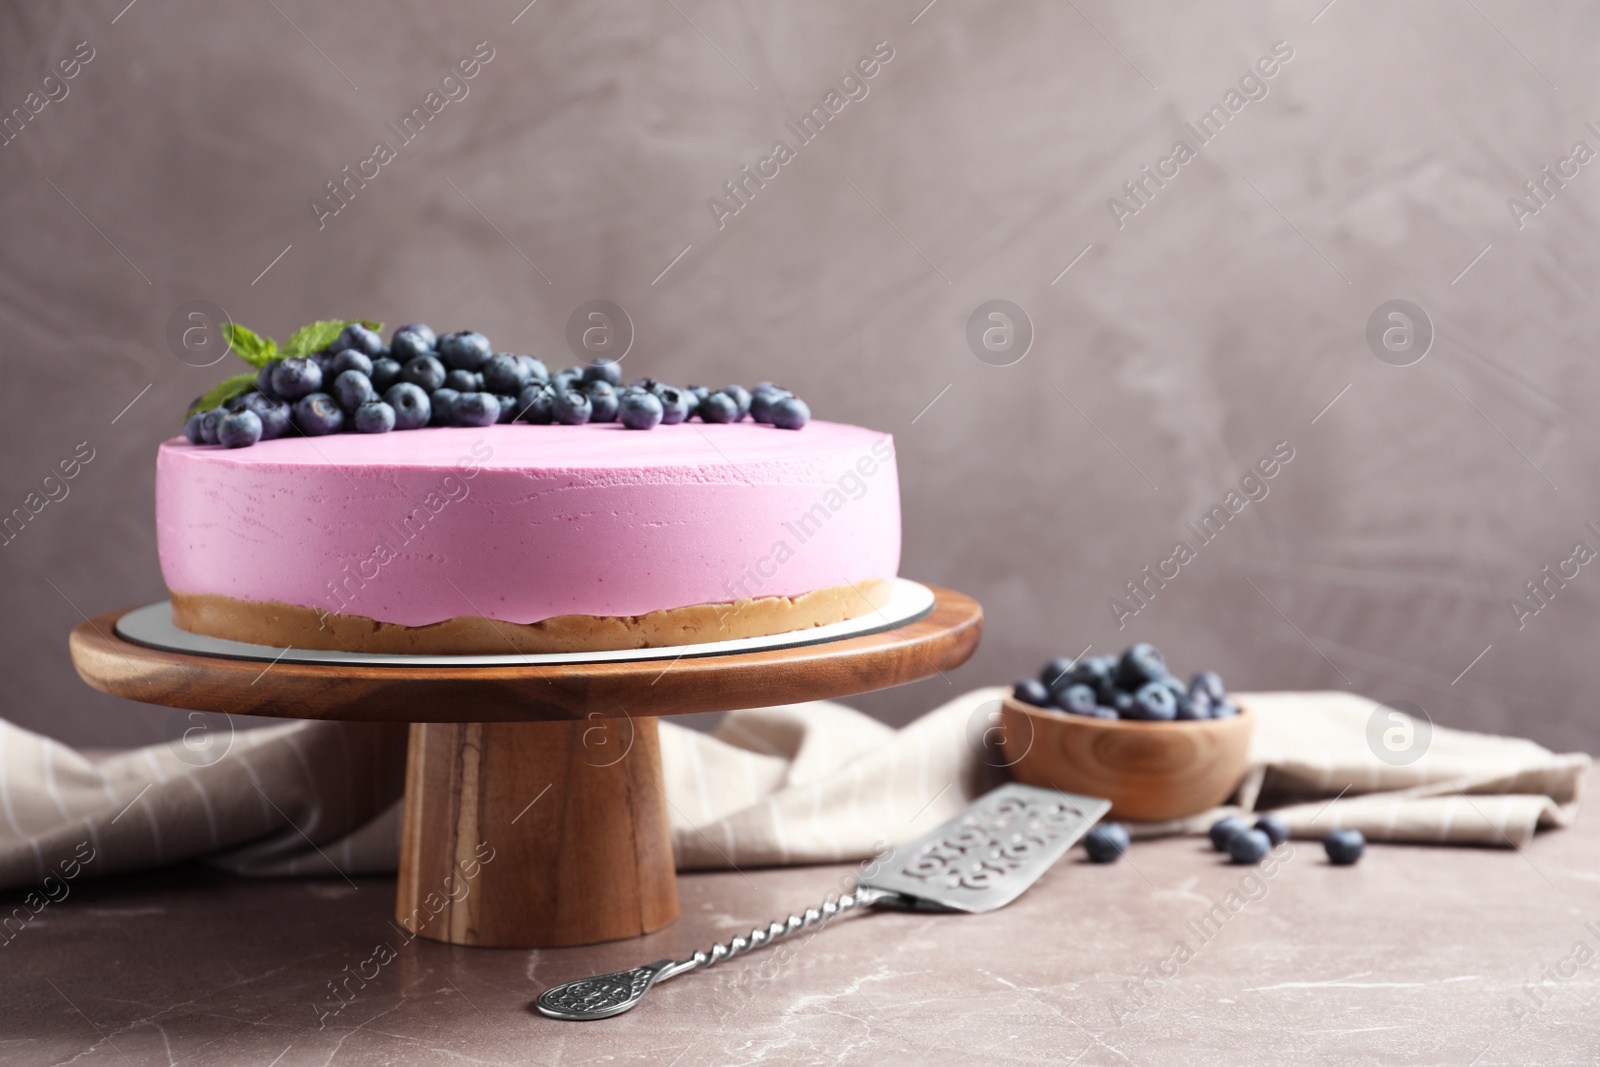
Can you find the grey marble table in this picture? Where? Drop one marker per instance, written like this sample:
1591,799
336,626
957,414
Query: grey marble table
1418,955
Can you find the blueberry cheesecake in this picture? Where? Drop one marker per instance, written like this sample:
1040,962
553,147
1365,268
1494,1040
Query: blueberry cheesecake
431,495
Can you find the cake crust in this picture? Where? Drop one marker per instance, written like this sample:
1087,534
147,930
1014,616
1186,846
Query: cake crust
280,625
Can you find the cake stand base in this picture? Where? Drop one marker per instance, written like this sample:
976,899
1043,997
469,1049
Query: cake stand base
534,810
535,835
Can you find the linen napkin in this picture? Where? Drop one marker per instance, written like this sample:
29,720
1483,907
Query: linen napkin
804,783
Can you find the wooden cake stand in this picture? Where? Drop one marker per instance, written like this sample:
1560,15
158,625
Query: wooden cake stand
592,860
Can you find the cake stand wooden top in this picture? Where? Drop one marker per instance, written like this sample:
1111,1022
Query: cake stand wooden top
942,641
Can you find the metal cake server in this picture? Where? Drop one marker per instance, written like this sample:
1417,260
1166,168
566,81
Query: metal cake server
979,861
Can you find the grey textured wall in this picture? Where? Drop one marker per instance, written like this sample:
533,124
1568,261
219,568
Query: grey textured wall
1224,316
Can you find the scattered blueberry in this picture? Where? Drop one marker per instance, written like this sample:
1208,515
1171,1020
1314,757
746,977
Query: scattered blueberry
571,407
1248,846
535,404
463,381
466,350
442,403
675,406
240,429
407,344
475,409
209,424
1223,829
425,372
1344,847
1031,691
358,337
790,413
566,378
1140,664
609,372
741,396
318,414
719,408
1076,700
273,413
602,400
503,373
1106,842
1276,829
295,378
699,392
374,416
385,372
410,403
352,389
191,428
639,410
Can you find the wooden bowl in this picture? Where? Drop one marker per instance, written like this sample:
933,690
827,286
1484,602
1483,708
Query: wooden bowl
1148,770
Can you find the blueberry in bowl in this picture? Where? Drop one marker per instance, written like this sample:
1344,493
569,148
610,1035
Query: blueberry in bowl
1077,699
1126,728
1028,690
1140,664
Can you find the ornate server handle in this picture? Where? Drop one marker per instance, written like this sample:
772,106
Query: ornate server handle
606,995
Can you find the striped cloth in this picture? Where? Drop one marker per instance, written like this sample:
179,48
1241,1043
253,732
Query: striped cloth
807,783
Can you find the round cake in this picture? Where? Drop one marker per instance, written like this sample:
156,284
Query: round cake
526,538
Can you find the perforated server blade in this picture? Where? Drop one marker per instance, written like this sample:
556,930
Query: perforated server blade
979,861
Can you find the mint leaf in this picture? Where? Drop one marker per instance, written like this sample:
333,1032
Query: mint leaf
225,391
249,345
312,337
375,327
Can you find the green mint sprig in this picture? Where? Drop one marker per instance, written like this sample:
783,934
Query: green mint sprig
258,350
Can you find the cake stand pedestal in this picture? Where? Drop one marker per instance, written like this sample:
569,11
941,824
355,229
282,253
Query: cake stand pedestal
534,811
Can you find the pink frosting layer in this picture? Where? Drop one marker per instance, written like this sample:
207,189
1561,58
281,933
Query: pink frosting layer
521,523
